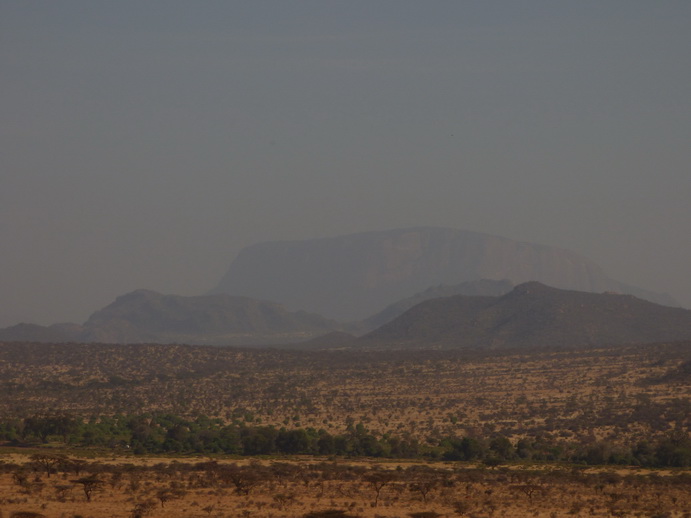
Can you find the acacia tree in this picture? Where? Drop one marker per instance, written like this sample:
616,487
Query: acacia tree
244,478
377,480
89,485
424,485
165,495
48,461
76,465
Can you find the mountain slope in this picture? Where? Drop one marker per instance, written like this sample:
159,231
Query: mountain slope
483,287
147,316
352,277
533,314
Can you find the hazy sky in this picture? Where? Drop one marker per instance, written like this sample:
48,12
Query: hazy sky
143,144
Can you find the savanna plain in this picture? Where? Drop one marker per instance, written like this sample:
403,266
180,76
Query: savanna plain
172,430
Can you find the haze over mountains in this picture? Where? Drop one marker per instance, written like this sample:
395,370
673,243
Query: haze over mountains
146,316
276,293
352,277
530,315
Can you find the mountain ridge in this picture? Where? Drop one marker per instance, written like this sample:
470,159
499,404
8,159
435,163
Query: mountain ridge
145,316
529,315
533,314
148,316
480,287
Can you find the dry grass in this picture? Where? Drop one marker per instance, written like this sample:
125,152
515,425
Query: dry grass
298,487
619,394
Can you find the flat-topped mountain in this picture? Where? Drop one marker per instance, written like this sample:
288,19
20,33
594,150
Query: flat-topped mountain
348,279
533,314
352,277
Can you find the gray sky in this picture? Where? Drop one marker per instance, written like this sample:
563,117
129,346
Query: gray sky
143,144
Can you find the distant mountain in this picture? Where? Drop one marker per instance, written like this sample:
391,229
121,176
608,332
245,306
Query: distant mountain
147,316
36,333
533,314
352,277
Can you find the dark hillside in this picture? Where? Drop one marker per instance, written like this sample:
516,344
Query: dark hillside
482,287
533,314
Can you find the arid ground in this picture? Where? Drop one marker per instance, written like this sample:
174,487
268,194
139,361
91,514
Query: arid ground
201,487
613,403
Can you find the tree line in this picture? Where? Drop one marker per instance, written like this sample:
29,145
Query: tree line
166,433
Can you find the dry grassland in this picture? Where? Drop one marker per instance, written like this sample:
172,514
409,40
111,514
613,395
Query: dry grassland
619,394
175,488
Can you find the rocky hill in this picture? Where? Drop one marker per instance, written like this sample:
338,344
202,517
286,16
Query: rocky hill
533,315
147,316
144,316
352,277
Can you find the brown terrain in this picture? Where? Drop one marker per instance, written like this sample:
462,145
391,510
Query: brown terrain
572,419
122,486
620,394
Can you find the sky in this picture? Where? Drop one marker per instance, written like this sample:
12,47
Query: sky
144,144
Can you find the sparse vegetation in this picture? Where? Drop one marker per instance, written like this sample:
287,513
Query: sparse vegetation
301,488
520,433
